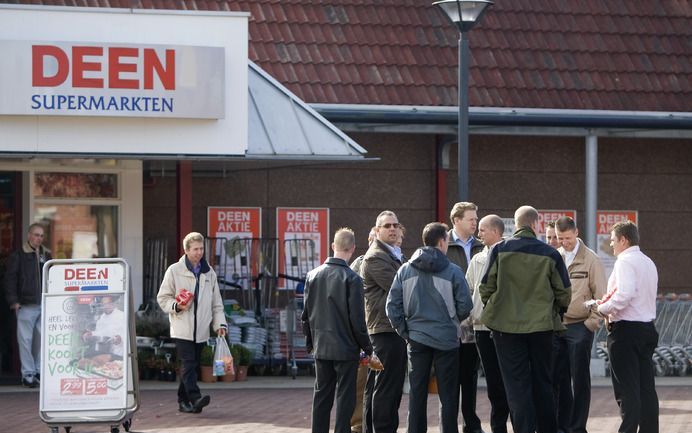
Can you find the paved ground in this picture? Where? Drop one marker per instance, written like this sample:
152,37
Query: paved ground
282,405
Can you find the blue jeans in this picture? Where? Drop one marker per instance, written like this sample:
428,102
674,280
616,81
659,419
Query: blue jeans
28,322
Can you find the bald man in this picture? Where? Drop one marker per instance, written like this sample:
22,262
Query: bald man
525,290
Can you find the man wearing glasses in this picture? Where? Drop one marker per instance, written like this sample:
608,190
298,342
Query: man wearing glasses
384,388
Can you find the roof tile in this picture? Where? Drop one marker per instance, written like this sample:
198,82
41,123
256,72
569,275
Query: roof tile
525,53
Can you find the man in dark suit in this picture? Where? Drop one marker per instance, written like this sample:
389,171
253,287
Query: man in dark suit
462,246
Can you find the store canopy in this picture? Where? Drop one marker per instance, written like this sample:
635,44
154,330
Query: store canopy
281,126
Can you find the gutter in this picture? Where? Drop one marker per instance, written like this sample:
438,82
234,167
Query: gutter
507,117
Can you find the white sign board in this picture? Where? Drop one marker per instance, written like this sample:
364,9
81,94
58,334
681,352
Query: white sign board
97,53
107,79
85,340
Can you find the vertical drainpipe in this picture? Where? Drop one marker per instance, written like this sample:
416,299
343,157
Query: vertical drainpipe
591,189
591,200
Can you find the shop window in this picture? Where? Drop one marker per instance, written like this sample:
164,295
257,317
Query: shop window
75,185
79,231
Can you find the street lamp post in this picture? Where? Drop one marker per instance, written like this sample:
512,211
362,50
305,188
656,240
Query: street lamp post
464,14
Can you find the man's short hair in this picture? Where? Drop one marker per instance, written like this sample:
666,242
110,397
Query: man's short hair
433,232
372,235
565,223
459,208
495,223
36,225
525,217
627,230
550,225
382,215
190,238
344,239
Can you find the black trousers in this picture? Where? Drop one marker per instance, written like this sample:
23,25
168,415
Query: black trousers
525,361
422,358
383,389
468,381
572,377
330,377
188,353
630,348
499,409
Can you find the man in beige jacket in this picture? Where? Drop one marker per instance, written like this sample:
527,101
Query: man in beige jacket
490,230
190,321
572,349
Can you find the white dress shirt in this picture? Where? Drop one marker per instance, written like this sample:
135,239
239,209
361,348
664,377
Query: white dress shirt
632,288
570,255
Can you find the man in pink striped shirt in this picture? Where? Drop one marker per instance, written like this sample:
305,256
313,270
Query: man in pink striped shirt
630,308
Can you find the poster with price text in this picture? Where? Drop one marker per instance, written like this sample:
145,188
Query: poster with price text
303,241
84,339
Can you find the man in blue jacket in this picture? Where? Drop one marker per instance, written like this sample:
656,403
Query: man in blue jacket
428,299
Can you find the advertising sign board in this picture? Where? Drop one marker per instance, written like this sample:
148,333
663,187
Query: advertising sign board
112,79
309,226
606,219
85,338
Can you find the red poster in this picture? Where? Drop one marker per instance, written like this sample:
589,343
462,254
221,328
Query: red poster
230,222
303,241
606,218
604,222
547,216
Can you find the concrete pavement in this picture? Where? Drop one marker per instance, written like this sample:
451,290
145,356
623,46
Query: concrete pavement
282,405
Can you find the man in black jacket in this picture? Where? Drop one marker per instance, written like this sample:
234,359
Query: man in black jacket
23,292
463,245
334,324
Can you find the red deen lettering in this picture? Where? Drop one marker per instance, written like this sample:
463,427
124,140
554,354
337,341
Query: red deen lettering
98,67
86,274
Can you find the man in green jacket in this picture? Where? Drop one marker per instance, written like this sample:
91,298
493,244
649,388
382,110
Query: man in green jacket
525,290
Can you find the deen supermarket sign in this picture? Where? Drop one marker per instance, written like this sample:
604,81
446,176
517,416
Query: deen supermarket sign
80,277
123,80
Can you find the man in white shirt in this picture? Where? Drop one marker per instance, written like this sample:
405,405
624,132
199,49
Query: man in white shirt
109,326
490,229
630,308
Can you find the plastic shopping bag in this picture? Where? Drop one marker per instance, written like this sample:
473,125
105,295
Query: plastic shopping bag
223,360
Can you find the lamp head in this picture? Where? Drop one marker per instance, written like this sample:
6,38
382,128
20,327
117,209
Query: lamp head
463,13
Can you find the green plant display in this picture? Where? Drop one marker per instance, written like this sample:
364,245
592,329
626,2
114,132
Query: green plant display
207,357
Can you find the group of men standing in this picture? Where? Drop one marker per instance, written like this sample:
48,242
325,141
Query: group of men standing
523,308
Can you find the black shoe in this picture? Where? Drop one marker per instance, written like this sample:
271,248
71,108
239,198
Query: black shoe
29,383
185,407
37,378
201,402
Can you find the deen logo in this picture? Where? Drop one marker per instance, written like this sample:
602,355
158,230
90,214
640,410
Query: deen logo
108,68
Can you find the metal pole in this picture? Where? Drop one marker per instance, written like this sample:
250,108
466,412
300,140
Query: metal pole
463,131
591,190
